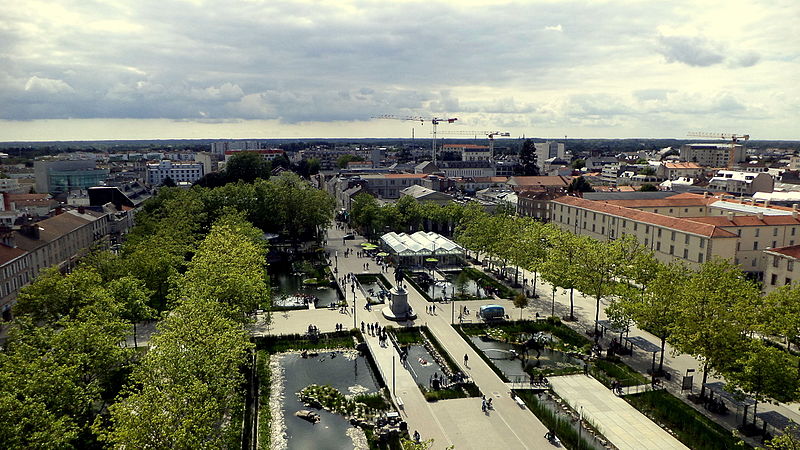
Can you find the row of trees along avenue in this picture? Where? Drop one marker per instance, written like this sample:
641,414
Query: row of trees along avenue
196,259
712,312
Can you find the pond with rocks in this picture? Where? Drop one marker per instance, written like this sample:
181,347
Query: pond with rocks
314,396
295,290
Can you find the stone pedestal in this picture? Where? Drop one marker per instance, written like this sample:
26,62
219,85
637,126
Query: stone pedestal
398,310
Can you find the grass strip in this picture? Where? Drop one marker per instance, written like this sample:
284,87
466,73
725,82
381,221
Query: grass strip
561,426
264,411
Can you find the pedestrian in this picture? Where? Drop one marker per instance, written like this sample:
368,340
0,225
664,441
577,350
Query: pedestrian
416,436
362,326
434,308
466,359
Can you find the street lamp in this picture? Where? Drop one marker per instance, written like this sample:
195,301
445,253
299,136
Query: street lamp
353,288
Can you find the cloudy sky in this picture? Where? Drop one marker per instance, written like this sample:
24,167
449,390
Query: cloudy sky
122,69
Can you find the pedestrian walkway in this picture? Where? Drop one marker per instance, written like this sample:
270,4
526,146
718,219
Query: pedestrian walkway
619,422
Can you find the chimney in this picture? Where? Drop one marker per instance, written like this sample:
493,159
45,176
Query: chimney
794,214
705,194
766,203
730,216
81,210
760,216
794,206
59,210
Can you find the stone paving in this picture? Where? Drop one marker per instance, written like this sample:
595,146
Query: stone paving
618,421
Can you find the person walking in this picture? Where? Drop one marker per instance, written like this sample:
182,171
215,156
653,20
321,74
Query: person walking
466,360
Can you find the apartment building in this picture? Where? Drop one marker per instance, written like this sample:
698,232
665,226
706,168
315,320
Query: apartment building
674,170
55,242
179,172
736,230
668,237
713,155
741,183
781,267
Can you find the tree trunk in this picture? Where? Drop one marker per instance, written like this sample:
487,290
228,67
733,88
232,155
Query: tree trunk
661,363
554,301
516,276
135,344
571,304
705,377
535,277
597,319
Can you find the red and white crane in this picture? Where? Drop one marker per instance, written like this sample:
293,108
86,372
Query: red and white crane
435,121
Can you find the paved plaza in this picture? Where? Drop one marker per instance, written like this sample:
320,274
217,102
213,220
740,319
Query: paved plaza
618,421
460,422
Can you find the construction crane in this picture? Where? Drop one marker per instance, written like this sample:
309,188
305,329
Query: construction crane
435,121
489,134
733,138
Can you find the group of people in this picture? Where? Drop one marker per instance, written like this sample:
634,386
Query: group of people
431,309
312,329
339,327
486,404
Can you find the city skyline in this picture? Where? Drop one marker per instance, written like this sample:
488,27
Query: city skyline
193,69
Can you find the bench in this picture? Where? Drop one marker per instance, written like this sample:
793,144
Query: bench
519,401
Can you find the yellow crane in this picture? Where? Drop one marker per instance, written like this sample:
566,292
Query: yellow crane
732,137
435,121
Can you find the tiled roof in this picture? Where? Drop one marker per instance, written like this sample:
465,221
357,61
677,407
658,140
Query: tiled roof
676,223
8,254
682,165
539,181
746,221
792,251
50,230
674,201
406,175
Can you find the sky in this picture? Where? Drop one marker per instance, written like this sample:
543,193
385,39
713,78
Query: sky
167,69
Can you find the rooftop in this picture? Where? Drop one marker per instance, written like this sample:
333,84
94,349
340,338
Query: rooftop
792,251
685,225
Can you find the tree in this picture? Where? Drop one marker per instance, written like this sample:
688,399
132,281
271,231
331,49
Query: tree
365,213
461,283
247,166
560,267
521,302
648,188
715,313
133,298
766,373
228,267
782,313
598,271
527,159
654,304
53,296
579,184
168,182
187,387
578,164
343,160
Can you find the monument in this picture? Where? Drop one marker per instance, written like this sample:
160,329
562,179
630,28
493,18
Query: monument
398,310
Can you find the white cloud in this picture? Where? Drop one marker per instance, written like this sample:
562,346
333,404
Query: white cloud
492,63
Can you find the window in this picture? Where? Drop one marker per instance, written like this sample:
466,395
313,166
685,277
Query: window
757,231
793,230
602,230
647,228
755,245
672,237
702,243
686,240
739,232
790,266
671,249
775,261
753,263
659,232
635,226
788,281
646,242
774,244
773,280
670,210
593,225
686,253
655,211
658,246
700,258
775,231
686,210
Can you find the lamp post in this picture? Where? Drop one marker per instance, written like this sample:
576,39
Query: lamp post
553,313
353,289
394,352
